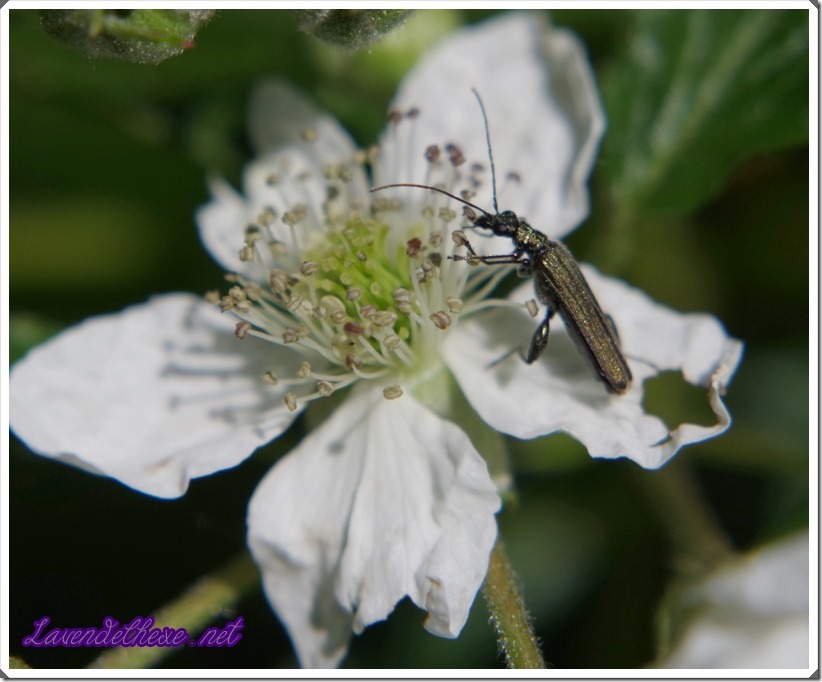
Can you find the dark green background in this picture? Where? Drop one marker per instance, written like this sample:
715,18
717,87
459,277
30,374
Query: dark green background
108,162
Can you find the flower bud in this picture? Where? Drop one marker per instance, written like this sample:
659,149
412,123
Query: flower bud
353,29
145,36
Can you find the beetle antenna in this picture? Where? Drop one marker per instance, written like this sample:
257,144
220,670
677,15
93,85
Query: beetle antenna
488,144
434,189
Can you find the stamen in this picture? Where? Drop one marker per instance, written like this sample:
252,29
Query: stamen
392,342
385,318
308,268
353,329
290,400
270,378
455,304
403,300
455,155
392,392
246,254
241,330
441,319
413,247
447,214
290,336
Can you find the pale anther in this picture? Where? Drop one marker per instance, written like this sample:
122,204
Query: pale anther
441,319
241,330
308,268
353,294
455,155
447,214
454,304
304,370
253,291
352,362
279,281
270,378
353,329
267,216
532,307
290,400
385,318
324,388
392,392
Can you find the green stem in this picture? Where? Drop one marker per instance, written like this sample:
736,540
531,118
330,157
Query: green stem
688,519
193,610
515,633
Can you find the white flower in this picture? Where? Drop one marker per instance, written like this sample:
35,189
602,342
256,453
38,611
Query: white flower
752,612
335,287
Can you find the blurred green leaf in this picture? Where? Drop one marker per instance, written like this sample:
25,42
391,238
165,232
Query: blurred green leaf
26,331
697,92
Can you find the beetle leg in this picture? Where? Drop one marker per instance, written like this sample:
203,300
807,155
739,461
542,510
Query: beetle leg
540,339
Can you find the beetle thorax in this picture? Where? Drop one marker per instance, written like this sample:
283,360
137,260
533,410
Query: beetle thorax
527,238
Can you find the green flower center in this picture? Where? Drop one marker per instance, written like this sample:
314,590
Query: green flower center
356,266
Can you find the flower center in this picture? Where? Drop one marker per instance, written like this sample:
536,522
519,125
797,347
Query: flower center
362,305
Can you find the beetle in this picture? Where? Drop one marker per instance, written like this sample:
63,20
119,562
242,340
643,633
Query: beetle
558,281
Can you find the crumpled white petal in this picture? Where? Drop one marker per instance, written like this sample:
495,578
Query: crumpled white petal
751,613
384,500
153,396
288,172
544,113
560,391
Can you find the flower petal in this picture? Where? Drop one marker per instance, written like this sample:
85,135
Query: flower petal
153,396
384,500
560,392
544,115
280,116
752,612
290,172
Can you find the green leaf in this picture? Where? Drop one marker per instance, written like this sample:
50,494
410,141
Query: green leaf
695,93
